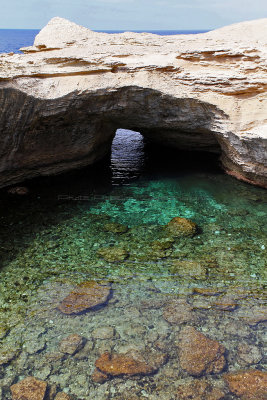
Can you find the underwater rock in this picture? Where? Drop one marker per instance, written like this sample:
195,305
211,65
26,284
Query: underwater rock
71,344
162,244
130,364
7,355
103,332
248,354
115,227
225,303
178,311
29,388
113,254
99,377
248,385
62,396
84,297
252,315
199,354
181,227
188,269
199,390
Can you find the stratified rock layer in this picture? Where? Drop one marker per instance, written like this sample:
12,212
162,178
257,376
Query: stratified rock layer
62,101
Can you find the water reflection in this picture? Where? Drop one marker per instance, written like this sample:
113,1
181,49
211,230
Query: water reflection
127,156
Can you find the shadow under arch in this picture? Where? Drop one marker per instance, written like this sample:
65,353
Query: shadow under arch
58,135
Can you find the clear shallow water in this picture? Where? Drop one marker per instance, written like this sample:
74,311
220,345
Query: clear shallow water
65,232
11,40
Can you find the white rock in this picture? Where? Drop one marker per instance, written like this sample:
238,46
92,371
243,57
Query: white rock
62,101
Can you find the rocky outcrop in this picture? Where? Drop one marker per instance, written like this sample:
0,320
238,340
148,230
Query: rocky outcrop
63,99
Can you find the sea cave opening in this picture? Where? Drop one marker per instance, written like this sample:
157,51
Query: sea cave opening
134,154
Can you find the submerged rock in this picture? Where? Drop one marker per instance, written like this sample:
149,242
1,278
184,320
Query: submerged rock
199,390
130,364
248,354
248,385
199,354
115,227
7,355
181,227
188,269
113,254
71,344
178,311
29,388
84,297
63,396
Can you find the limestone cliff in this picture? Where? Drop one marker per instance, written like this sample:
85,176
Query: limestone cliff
63,99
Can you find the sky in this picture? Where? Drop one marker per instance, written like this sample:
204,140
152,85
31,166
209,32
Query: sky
131,14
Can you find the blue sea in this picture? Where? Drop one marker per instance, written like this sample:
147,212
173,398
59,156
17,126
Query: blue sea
11,40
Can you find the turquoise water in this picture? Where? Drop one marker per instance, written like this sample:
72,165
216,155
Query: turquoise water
107,223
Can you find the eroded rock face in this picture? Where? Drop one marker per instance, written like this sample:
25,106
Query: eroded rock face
62,101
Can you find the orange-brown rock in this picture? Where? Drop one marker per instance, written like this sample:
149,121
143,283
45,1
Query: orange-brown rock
199,390
199,354
248,385
71,344
84,297
178,311
129,364
181,227
99,376
29,388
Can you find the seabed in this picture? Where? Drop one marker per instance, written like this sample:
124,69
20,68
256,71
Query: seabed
107,224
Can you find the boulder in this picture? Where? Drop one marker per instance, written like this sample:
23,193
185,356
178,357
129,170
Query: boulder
29,388
181,227
248,385
129,364
200,355
85,296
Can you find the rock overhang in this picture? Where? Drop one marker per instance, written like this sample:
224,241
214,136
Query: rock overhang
189,91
